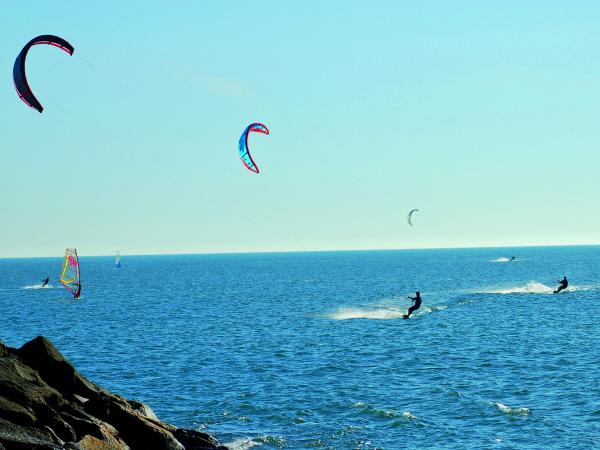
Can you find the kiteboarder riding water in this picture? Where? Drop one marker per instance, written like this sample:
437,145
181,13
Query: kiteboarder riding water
46,281
564,283
414,307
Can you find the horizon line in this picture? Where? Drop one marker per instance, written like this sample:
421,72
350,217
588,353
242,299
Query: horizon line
340,250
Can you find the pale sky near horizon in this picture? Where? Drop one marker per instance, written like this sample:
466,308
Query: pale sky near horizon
482,115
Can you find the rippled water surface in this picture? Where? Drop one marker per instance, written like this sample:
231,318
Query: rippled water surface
309,350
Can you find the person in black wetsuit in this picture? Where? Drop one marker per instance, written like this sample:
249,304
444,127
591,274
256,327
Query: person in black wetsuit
414,307
563,284
46,281
512,258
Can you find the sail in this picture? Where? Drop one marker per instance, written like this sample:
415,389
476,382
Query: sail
118,260
69,277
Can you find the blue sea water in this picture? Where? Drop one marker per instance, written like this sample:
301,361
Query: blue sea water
309,350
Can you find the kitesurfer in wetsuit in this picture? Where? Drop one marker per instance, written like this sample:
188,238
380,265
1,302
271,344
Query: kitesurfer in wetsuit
414,307
563,284
46,281
512,258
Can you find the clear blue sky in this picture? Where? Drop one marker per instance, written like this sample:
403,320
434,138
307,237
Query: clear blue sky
484,115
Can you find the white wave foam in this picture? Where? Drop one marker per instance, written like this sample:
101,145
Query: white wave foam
242,444
429,309
409,415
380,313
500,260
381,412
533,287
38,286
508,410
360,313
581,288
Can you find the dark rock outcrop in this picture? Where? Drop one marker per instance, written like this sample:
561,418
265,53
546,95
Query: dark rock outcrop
46,404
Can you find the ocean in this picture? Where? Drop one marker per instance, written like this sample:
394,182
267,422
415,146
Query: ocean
309,350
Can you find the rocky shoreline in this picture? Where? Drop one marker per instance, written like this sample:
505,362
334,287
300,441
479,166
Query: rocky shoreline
45,404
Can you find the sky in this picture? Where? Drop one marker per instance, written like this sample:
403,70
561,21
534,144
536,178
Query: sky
484,115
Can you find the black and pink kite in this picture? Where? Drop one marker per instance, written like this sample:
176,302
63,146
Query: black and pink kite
20,79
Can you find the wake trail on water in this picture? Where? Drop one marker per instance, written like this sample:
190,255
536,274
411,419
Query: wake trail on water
363,313
380,313
500,260
533,287
38,286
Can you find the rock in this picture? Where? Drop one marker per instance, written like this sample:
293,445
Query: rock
144,410
80,399
23,393
134,427
16,413
46,404
16,437
54,369
92,443
195,440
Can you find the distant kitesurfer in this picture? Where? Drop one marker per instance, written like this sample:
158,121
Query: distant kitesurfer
414,307
512,258
563,284
46,281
